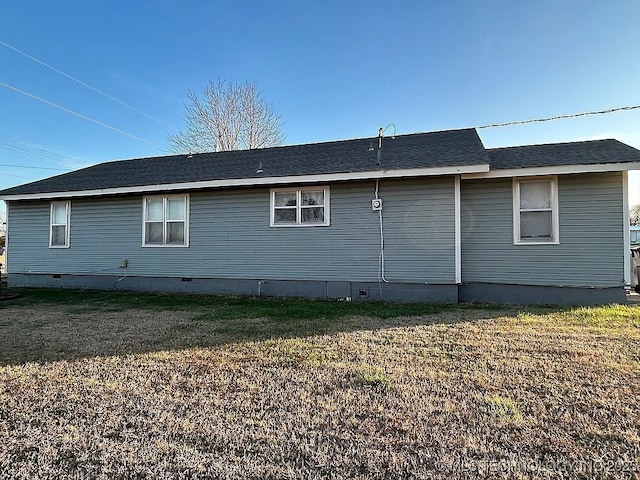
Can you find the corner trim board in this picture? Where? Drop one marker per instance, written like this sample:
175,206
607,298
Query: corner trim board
626,229
457,233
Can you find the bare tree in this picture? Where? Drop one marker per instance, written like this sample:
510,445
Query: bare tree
228,116
634,215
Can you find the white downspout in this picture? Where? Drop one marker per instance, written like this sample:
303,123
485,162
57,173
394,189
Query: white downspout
457,233
627,235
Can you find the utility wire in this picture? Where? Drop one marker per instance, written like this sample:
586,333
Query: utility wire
25,146
16,176
2,84
30,166
558,117
110,97
33,151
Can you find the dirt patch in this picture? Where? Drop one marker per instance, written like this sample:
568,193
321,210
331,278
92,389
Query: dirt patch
53,333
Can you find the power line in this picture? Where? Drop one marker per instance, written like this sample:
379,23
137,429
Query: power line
33,151
30,166
64,109
22,150
558,117
44,150
84,84
16,176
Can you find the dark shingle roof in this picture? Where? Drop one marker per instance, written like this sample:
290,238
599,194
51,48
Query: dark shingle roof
557,154
436,149
451,148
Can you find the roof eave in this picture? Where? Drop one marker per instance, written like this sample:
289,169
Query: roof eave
243,182
553,170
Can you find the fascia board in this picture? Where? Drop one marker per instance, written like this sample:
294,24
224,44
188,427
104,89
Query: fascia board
553,170
242,182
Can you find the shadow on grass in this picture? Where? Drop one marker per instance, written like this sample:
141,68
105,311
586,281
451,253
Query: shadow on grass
51,325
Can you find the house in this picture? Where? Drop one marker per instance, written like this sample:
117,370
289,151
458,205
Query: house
420,217
634,239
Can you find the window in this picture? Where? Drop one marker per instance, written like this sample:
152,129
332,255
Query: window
166,221
59,225
307,206
535,210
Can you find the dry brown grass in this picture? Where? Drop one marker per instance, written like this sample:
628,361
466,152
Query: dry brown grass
464,393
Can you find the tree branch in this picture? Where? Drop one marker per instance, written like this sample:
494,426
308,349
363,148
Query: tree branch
227,117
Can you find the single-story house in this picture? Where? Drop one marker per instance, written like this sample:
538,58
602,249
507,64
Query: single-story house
420,217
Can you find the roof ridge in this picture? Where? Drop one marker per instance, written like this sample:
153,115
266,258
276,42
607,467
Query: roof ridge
294,145
556,144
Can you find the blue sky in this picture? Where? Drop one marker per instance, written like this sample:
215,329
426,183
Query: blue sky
333,69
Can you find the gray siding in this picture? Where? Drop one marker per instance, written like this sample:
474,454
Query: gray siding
591,249
230,237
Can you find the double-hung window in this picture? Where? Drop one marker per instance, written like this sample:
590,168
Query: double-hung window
535,210
59,221
166,221
308,206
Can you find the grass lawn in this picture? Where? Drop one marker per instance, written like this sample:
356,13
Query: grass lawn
120,385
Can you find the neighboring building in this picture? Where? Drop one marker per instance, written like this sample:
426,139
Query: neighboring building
634,234
420,217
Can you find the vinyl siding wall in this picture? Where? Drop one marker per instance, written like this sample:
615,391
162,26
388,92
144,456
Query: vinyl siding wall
591,249
230,237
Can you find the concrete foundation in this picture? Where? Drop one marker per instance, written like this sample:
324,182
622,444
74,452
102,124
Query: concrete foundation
355,291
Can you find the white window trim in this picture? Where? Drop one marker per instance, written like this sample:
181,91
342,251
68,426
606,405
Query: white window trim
67,231
164,199
555,217
298,191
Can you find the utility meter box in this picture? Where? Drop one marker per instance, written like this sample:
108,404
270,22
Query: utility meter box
376,204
